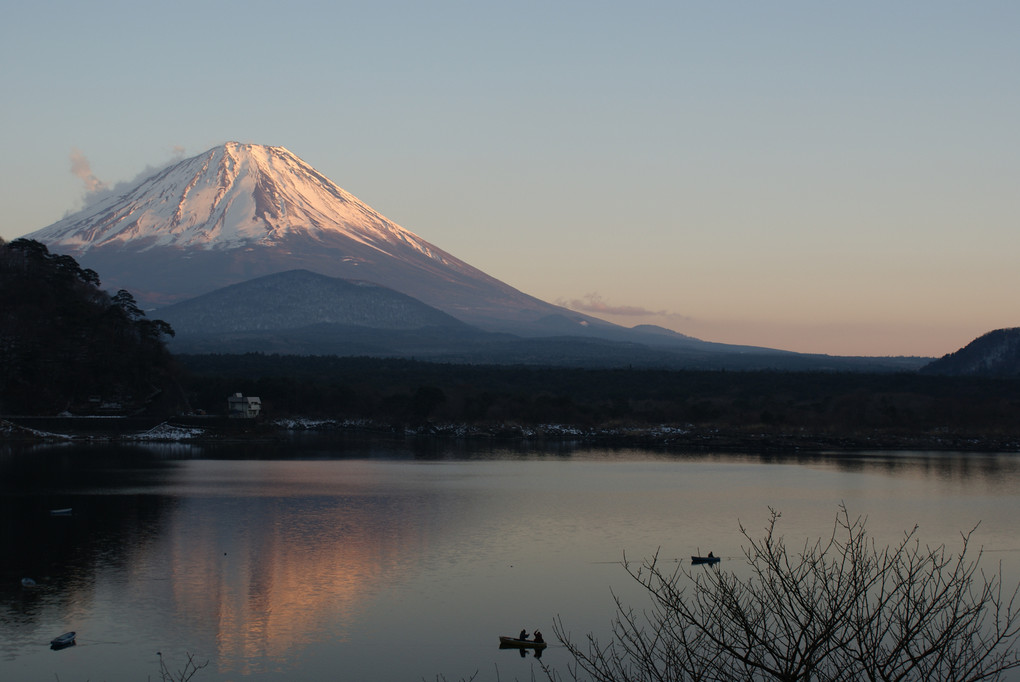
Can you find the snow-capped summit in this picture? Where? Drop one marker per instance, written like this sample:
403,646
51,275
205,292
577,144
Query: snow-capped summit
240,211
231,196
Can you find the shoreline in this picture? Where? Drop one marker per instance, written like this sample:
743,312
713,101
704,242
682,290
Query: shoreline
212,430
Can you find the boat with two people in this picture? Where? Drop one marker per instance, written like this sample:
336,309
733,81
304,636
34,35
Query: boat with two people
522,642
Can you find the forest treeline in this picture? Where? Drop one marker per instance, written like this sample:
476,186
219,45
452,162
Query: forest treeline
412,392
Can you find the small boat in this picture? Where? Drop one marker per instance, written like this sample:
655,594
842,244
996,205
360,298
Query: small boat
61,512
508,642
705,559
27,582
64,640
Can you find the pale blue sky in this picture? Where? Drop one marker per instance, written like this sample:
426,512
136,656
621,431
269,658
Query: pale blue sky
835,178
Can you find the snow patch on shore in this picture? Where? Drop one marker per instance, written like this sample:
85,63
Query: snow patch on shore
10,430
168,432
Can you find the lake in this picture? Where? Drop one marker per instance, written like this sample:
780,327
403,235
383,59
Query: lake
326,557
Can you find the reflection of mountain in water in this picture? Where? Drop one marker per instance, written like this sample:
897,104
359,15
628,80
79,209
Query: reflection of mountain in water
264,558
275,574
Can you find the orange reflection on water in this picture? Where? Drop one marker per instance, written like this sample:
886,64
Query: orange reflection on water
277,574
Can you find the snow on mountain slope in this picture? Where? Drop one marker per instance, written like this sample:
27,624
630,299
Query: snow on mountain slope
229,197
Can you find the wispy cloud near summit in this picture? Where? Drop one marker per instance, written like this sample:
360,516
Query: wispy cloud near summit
82,169
96,189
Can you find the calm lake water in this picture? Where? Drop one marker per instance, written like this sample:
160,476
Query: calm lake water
330,559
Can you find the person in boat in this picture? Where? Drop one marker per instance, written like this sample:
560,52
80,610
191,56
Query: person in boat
711,556
538,636
524,635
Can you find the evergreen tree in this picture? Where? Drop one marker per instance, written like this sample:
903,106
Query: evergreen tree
64,340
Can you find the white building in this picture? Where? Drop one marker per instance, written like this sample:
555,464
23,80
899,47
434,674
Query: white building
244,407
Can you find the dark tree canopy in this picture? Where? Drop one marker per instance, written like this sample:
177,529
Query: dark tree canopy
65,343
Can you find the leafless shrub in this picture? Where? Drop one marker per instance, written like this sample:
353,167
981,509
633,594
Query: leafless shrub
840,608
186,673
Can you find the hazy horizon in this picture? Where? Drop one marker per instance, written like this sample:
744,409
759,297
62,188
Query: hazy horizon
827,179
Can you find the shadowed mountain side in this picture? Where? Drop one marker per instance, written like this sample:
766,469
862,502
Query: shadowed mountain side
297,299
304,313
467,294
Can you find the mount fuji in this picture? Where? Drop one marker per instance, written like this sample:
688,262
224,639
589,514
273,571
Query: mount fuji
241,211
246,221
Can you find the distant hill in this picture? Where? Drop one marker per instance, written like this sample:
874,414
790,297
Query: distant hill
995,354
299,298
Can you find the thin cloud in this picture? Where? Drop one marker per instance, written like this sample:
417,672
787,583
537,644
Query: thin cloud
594,303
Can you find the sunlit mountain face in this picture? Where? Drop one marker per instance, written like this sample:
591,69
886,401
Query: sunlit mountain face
240,211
